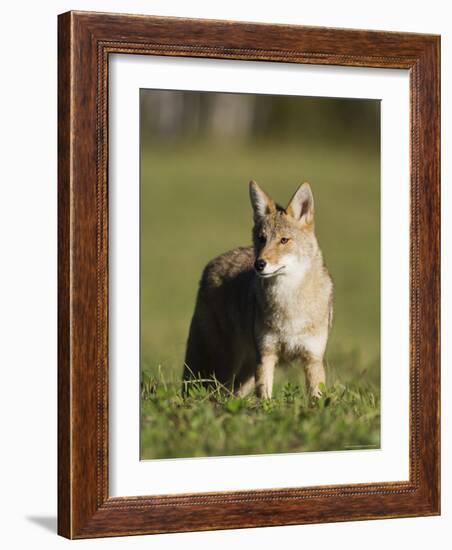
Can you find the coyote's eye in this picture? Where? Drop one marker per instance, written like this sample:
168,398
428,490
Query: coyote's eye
284,240
262,238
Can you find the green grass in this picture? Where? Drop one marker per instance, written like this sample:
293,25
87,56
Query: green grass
194,206
213,422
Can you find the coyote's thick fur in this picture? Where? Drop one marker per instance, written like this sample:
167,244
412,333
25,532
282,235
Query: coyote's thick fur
269,303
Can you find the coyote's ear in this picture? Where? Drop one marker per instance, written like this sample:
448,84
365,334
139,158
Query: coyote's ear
262,204
301,205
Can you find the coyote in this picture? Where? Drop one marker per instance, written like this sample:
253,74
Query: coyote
264,304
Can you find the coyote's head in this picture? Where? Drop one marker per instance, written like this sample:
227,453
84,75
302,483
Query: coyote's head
284,238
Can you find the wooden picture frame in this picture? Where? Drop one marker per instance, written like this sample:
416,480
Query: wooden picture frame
85,42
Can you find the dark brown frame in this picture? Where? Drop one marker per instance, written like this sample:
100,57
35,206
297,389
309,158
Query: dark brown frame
85,41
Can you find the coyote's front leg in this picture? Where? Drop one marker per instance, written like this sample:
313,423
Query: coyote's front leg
264,375
315,375
246,387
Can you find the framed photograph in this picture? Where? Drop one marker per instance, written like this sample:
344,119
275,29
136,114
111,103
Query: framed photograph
248,275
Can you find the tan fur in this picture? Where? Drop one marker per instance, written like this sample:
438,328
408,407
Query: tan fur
246,322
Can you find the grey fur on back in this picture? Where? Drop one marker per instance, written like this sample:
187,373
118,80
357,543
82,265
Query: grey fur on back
220,341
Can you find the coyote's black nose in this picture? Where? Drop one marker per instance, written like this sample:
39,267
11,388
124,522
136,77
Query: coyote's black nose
259,265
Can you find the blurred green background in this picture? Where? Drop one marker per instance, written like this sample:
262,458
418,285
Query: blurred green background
198,152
